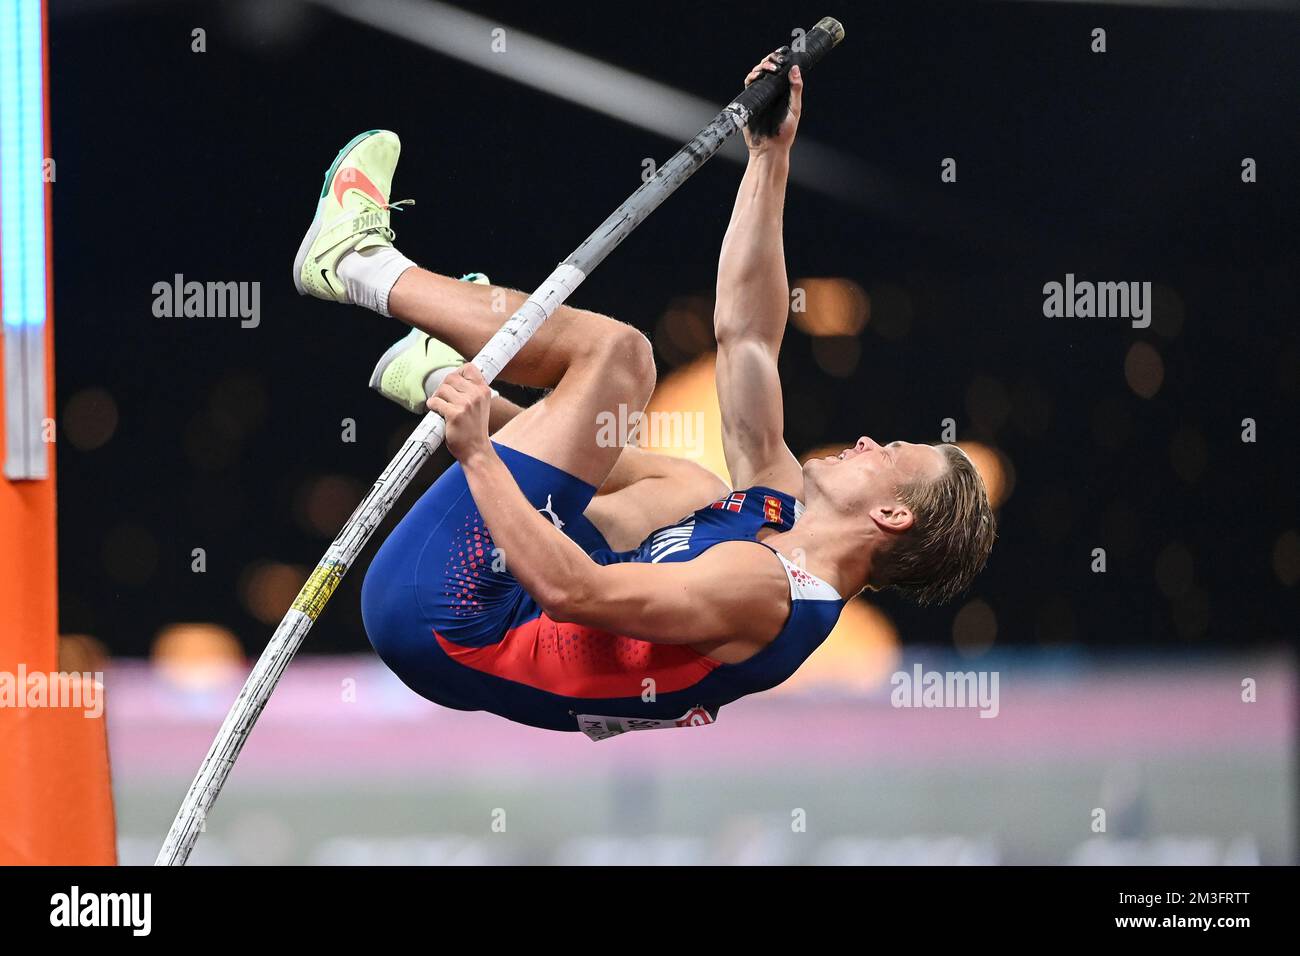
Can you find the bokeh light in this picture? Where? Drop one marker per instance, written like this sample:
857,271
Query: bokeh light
1286,558
974,629
81,654
685,330
858,656
324,503
1144,370
90,419
267,589
837,355
830,307
686,391
995,468
197,656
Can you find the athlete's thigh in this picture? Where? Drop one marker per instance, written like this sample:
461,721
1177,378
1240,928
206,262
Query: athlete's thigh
569,427
667,491
558,433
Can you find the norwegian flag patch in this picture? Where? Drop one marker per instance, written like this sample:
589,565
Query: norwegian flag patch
732,502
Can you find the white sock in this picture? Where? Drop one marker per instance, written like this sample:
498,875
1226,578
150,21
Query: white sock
369,275
435,378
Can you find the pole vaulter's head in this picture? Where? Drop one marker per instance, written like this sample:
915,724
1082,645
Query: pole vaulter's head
923,510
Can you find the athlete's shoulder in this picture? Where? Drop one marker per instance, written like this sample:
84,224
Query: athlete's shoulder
742,565
744,584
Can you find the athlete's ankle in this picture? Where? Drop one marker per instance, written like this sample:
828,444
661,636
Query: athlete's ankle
370,274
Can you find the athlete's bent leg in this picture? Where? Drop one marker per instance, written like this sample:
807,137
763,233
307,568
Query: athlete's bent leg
466,314
439,577
645,491
596,364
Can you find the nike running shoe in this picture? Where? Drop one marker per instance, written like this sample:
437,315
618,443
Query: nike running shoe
352,213
413,368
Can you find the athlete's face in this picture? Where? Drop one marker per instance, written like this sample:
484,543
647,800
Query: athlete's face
868,476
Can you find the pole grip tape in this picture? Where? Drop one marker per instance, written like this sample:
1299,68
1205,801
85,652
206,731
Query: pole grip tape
765,90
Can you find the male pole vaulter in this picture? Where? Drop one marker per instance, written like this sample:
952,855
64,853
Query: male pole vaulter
550,579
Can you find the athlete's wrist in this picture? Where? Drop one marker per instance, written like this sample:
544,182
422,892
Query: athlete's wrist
770,158
480,458
769,147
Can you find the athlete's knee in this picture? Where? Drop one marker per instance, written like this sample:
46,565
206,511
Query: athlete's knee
626,359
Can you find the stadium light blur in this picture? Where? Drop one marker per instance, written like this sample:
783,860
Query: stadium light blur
23,302
690,391
197,656
829,307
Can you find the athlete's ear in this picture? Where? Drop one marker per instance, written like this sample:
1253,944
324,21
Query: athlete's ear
893,518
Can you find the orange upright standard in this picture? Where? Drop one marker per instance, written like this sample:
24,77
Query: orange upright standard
56,804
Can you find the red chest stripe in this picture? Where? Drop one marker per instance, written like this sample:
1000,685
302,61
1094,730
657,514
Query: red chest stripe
575,661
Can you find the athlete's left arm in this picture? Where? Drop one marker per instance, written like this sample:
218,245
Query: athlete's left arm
735,590
753,301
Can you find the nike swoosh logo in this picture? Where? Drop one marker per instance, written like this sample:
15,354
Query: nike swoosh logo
325,276
357,180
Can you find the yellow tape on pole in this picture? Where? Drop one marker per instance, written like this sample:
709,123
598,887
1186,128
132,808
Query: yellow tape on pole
320,587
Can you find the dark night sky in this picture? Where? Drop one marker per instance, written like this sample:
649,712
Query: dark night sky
1122,166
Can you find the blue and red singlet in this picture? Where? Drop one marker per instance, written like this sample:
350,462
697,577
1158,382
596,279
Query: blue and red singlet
445,614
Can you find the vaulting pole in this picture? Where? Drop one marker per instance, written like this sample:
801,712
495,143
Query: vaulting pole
427,437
